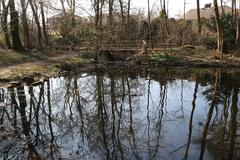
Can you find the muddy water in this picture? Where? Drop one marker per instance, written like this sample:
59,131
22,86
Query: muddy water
163,114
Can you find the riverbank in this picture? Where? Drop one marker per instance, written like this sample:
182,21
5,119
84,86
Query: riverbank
19,67
15,66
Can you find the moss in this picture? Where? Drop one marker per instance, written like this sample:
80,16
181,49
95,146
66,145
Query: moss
78,60
158,56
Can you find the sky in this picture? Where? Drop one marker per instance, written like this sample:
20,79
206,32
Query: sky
176,7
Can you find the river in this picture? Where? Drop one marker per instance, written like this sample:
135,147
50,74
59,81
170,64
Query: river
135,114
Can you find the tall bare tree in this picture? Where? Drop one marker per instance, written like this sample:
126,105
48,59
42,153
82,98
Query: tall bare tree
199,18
69,9
25,25
110,10
122,12
149,23
128,11
44,28
219,29
14,25
34,8
184,10
234,10
72,8
4,24
237,41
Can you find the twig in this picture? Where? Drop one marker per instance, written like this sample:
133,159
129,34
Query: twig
178,149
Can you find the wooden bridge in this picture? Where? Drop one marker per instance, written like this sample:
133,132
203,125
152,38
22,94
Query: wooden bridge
119,47
136,47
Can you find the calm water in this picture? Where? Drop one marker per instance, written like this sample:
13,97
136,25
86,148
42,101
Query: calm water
165,114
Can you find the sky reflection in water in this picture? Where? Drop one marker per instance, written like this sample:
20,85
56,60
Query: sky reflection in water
164,114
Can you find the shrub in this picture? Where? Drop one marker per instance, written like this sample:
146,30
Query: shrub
228,34
210,42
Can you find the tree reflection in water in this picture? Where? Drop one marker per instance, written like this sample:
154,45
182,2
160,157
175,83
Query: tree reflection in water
123,116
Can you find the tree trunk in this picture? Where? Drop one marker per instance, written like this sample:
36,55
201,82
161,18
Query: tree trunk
128,11
199,18
14,24
122,12
234,13
5,25
72,6
45,35
237,41
96,7
184,10
97,12
219,29
25,25
164,7
110,5
101,13
223,12
149,23
35,15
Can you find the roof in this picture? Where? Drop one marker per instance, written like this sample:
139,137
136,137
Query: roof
61,15
206,12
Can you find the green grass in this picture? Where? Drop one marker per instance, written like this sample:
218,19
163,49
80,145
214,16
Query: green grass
8,57
28,70
78,60
14,64
162,57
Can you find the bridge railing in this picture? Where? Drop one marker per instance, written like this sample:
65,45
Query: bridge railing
120,46
136,45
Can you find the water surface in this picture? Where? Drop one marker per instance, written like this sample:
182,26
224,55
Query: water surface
163,114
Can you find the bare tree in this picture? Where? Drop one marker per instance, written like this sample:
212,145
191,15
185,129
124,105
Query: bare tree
25,25
4,24
128,11
72,8
219,29
45,35
96,6
14,24
199,18
237,41
184,10
69,9
110,9
234,10
35,15
149,22
122,12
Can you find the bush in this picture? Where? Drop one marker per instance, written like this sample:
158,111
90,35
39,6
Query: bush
229,33
210,42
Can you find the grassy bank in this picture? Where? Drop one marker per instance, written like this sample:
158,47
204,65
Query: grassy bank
10,57
192,56
15,66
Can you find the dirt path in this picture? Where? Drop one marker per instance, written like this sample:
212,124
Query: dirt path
58,58
46,66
